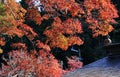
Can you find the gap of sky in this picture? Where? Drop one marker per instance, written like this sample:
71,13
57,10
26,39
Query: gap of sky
17,0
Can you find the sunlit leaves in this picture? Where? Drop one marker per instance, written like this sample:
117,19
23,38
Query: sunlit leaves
57,40
100,14
56,35
75,40
102,29
13,16
1,51
15,10
60,41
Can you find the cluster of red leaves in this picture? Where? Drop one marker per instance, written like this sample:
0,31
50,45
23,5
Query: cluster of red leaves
71,26
100,14
106,9
19,29
41,66
74,63
102,29
33,15
52,6
60,41
56,35
74,40
40,45
27,30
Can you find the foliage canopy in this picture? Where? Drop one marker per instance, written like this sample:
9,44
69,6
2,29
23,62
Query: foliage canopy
58,22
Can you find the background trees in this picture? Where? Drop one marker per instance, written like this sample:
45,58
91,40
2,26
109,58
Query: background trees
30,37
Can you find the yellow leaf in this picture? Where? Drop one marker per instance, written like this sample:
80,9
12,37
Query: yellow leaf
1,51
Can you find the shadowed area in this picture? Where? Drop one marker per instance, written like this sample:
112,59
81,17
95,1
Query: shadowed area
112,50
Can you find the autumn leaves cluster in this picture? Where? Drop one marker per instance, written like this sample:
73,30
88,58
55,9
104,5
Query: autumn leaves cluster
62,23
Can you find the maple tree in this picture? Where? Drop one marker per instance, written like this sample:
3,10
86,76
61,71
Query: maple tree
59,23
